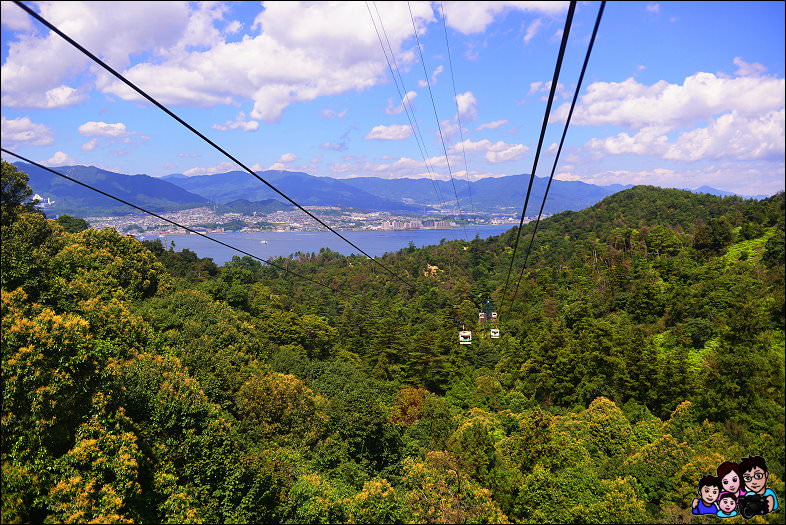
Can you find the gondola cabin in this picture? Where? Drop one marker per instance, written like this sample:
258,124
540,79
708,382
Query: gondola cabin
465,337
493,315
495,333
481,317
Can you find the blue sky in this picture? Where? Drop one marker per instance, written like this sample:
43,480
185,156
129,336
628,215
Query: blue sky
677,94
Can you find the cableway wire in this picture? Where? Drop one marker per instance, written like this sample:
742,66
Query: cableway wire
560,56
561,142
439,126
130,84
118,199
397,78
458,113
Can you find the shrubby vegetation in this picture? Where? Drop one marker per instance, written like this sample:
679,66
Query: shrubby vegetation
645,347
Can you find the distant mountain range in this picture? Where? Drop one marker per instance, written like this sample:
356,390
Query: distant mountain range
239,191
148,192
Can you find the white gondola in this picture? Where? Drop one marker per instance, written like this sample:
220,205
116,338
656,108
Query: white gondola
495,333
493,315
481,317
465,337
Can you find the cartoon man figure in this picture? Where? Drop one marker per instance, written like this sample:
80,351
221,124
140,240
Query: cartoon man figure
727,505
755,474
709,490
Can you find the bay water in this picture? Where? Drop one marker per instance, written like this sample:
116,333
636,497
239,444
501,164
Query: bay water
266,245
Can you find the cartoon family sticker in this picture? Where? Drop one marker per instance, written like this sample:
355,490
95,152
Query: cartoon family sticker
737,489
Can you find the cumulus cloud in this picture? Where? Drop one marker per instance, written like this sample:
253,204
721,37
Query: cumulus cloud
707,117
240,122
108,134
304,51
221,167
406,102
745,69
728,176
24,132
394,132
467,105
532,30
491,125
653,8
287,157
440,68
494,152
14,18
331,114
474,17
102,129
61,159
634,105
733,136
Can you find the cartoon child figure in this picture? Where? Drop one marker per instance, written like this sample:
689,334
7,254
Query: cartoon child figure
755,474
727,505
709,490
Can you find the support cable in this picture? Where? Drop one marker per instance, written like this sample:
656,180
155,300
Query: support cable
561,142
130,84
560,56
439,126
397,78
458,113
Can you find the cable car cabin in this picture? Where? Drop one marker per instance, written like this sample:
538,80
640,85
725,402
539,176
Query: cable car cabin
493,315
495,333
481,317
465,337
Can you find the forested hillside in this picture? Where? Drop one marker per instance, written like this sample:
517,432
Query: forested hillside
644,348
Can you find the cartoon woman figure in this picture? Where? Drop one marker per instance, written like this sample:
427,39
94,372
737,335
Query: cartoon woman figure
727,505
731,478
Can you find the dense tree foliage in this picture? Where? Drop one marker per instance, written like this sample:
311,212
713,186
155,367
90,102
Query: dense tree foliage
645,347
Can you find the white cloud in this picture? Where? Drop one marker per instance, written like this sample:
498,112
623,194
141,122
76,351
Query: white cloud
545,88
734,137
14,18
495,152
532,30
330,114
634,105
40,71
407,100
221,167
491,125
653,8
90,145
61,159
102,129
305,51
294,51
287,157
422,83
729,176
233,27
467,105
24,132
474,17
745,69
394,132
731,136
240,122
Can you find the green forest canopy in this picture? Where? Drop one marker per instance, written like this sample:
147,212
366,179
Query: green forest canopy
645,347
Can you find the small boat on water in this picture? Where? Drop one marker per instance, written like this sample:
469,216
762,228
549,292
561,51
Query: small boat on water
263,241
